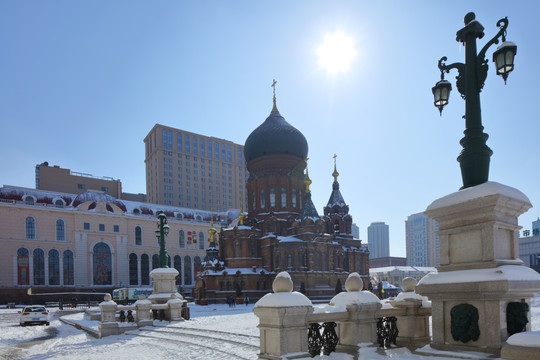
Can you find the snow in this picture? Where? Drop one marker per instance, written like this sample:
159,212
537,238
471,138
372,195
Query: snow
354,298
476,192
283,299
514,273
18,342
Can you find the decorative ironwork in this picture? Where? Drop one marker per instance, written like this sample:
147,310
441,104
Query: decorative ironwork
516,317
154,314
122,316
315,340
330,338
464,323
130,317
326,342
387,331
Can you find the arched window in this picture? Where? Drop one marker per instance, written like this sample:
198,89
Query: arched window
138,235
277,262
181,239
283,197
196,266
29,200
187,270
318,262
155,261
136,211
178,267
133,270
60,230
272,198
324,262
54,267
145,270
301,262
102,264
293,198
69,278
201,240
30,228
39,267
23,267
254,200
252,249
357,266
289,261
236,249
59,203
262,198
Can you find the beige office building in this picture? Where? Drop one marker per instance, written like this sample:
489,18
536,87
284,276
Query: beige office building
58,242
194,171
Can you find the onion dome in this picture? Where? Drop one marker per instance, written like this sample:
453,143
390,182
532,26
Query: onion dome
275,137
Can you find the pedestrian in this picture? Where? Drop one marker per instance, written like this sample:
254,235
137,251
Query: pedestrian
234,301
246,300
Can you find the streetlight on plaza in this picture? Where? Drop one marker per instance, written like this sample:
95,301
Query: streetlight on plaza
161,232
474,158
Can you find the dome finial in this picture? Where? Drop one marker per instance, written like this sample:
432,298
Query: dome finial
274,109
335,174
212,231
307,180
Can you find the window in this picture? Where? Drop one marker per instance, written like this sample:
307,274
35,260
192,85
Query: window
60,230
195,146
293,198
179,142
262,199
23,267
283,197
202,149
105,189
201,240
272,198
138,235
187,270
30,228
186,144
178,267
155,261
181,239
210,149
133,270
86,226
116,228
101,227
59,203
102,264
80,186
29,200
39,267
237,249
69,278
54,267
145,270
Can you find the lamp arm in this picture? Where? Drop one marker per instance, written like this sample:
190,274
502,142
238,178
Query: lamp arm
502,24
446,68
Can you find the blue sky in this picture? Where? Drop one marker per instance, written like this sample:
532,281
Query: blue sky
82,83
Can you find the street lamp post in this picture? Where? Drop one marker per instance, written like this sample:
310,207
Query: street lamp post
161,232
475,156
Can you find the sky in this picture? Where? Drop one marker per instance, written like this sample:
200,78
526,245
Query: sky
82,83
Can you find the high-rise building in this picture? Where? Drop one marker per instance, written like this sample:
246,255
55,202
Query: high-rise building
422,240
355,230
378,240
194,171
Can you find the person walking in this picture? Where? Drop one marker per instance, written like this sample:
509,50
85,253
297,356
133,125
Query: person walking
246,300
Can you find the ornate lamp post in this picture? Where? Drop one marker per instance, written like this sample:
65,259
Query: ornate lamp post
475,156
161,232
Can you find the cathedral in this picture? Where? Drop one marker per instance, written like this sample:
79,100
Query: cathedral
282,230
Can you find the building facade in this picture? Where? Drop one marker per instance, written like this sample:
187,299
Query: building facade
282,230
422,240
395,274
194,171
60,242
387,261
378,240
529,246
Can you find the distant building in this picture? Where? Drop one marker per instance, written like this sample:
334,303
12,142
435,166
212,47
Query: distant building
59,242
387,261
378,240
395,274
355,231
422,240
529,247
194,171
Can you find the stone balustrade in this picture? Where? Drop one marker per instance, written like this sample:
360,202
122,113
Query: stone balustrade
291,327
116,319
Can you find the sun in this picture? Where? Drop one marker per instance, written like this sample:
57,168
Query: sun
336,52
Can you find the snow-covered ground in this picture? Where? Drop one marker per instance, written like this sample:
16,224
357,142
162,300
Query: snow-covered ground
62,341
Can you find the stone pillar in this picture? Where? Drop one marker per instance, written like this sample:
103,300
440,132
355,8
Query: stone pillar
164,282
414,325
143,307
283,320
480,271
363,308
108,325
174,311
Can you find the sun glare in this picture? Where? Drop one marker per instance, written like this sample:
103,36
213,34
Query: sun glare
336,53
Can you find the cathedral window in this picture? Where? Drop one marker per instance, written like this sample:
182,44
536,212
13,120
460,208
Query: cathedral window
272,197
283,198
293,198
289,261
236,249
262,198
